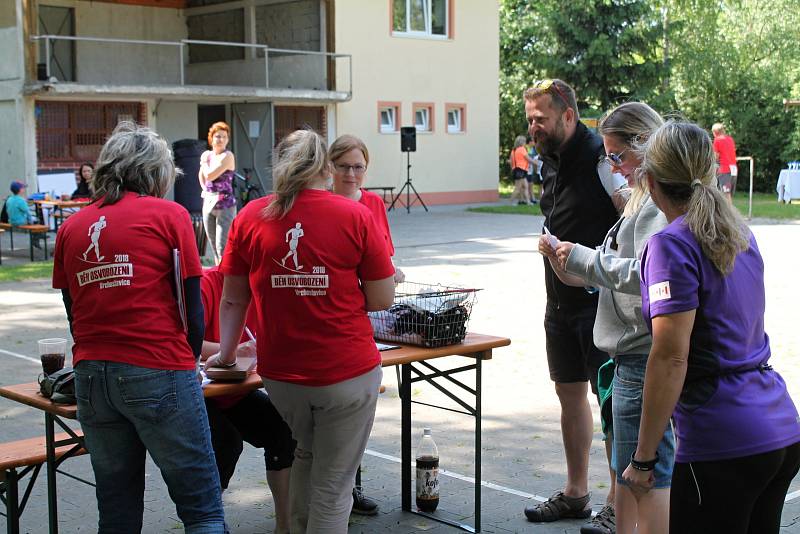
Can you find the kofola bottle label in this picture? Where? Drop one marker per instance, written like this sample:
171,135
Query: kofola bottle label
427,478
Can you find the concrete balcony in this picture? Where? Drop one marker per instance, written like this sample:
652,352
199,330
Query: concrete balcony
186,68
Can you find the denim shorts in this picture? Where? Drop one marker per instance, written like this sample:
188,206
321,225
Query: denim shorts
626,406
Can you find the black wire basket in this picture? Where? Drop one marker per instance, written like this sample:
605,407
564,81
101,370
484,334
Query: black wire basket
426,315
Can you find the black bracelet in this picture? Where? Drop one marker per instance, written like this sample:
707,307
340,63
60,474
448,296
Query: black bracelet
649,465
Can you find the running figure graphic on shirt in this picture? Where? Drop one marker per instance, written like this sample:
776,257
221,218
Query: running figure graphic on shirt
94,233
293,236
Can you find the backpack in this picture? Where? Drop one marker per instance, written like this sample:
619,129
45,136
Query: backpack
59,387
4,213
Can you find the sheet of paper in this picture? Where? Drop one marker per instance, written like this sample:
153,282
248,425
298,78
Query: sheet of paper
550,237
384,346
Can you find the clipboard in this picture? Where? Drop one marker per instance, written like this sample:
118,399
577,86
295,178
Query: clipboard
179,296
244,365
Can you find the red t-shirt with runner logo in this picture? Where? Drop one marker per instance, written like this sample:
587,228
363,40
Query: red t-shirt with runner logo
117,262
304,271
378,209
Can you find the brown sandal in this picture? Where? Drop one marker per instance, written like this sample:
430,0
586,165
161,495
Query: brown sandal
559,506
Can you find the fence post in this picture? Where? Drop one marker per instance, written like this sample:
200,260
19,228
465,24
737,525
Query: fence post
266,67
47,57
180,49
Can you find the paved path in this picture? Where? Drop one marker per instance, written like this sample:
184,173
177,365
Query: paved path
521,446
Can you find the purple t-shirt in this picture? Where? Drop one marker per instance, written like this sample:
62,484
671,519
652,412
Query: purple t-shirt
729,407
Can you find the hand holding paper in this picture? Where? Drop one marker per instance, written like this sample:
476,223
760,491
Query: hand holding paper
548,244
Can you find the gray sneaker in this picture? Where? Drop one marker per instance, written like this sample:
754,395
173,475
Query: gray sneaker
605,522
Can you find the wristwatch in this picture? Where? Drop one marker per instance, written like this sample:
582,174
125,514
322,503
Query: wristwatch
649,465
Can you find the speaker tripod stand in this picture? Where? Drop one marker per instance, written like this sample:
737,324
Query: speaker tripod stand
408,187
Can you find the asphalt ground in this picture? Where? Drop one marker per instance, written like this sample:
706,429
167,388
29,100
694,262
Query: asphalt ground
521,450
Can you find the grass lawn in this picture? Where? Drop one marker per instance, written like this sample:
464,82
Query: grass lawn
35,269
765,206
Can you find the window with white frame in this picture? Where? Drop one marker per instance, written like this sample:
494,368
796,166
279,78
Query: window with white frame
388,117
426,18
456,118
422,120
423,117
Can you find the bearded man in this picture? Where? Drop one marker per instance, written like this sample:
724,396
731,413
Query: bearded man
576,200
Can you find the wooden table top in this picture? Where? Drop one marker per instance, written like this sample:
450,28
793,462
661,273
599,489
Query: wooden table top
28,394
64,203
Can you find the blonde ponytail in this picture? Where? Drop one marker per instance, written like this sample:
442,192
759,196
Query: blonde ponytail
680,158
300,158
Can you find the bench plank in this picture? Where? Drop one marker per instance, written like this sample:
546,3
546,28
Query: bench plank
32,451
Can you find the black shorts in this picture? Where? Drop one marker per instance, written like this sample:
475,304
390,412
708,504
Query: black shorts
519,174
534,179
571,354
255,420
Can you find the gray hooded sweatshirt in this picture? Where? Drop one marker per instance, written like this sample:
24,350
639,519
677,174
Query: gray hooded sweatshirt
619,327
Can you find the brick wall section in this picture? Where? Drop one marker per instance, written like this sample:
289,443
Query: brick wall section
292,25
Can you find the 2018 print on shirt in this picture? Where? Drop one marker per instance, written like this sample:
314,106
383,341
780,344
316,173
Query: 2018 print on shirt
119,271
305,284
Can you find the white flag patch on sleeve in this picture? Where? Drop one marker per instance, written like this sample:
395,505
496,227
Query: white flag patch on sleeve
659,291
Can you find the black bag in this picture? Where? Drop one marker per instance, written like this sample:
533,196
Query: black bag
59,387
4,213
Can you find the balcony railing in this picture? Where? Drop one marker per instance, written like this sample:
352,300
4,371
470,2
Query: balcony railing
190,62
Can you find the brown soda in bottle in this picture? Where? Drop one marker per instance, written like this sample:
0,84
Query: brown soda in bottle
427,473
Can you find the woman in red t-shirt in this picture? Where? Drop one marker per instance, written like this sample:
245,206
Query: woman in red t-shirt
314,264
350,159
116,262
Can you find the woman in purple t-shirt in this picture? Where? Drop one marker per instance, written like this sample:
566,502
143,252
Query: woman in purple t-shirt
703,299
216,180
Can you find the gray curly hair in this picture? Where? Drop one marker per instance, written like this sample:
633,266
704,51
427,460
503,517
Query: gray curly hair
136,159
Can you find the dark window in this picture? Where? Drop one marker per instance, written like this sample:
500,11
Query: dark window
223,26
74,132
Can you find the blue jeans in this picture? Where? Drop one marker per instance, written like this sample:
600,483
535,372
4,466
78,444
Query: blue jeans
125,411
626,405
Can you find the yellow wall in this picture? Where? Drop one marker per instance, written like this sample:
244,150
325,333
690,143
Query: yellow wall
460,70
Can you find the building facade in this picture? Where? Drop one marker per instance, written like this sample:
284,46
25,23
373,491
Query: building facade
73,68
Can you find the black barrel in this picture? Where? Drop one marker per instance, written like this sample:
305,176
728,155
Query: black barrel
186,154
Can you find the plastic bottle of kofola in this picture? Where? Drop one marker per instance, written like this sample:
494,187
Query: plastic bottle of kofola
427,473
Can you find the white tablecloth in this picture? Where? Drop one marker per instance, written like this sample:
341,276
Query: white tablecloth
788,185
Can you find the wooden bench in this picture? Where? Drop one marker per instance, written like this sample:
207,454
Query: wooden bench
17,459
32,229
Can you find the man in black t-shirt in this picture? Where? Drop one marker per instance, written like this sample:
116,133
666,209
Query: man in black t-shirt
576,202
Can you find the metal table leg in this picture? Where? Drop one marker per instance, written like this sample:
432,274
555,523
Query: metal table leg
405,436
52,504
425,372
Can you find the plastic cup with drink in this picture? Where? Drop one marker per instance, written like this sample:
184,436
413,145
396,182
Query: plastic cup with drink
52,352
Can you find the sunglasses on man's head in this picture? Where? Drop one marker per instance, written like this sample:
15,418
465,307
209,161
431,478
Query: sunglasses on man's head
546,85
615,159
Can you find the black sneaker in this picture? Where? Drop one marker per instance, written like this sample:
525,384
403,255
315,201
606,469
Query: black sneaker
605,522
363,505
559,506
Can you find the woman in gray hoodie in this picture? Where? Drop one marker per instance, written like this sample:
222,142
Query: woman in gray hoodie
619,328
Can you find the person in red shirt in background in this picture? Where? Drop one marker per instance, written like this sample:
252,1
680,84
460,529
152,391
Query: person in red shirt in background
251,417
350,159
316,352
135,354
725,149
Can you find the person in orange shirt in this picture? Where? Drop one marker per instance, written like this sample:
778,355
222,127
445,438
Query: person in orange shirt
519,161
